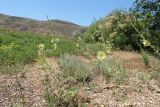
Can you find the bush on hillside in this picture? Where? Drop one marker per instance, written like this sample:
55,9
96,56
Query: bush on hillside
149,13
120,28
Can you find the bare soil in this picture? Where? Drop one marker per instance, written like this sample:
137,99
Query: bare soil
135,91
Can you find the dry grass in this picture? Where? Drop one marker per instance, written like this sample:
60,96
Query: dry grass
32,83
138,90
132,60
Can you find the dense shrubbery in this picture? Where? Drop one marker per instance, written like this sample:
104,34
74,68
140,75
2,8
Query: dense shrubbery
128,29
149,13
118,28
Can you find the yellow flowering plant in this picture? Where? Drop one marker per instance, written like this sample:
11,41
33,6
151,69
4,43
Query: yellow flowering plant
8,46
77,45
57,40
52,41
41,49
55,46
42,58
101,55
146,43
55,43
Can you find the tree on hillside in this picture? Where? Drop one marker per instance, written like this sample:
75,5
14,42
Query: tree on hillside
150,11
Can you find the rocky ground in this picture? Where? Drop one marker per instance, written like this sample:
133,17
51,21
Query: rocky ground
136,91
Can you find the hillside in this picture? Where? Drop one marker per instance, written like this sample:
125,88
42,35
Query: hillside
55,71
114,62
31,25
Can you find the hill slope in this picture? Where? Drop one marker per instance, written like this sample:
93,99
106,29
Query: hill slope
30,25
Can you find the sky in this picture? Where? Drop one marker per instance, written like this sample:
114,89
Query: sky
81,12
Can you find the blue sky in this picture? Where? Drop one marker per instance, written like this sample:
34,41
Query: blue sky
81,12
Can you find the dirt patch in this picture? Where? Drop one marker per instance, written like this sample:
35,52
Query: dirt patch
135,91
131,60
87,60
31,81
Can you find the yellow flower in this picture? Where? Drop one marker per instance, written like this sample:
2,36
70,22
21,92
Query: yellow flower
8,46
108,51
52,41
41,46
57,40
41,49
79,38
101,55
77,45
146,43
55,46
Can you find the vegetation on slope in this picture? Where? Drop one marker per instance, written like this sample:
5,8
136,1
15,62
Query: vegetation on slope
21,48
129,29
107,79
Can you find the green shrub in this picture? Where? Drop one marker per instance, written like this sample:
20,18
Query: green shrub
122,28
112,69
148,12
92,49
126,29
73,69
96,32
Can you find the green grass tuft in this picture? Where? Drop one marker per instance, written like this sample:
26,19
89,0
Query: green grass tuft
112,69
74,70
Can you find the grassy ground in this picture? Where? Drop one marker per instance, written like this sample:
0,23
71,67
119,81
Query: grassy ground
18,49
21,48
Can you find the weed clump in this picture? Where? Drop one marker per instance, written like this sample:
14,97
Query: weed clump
74,69
112,69
90,50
